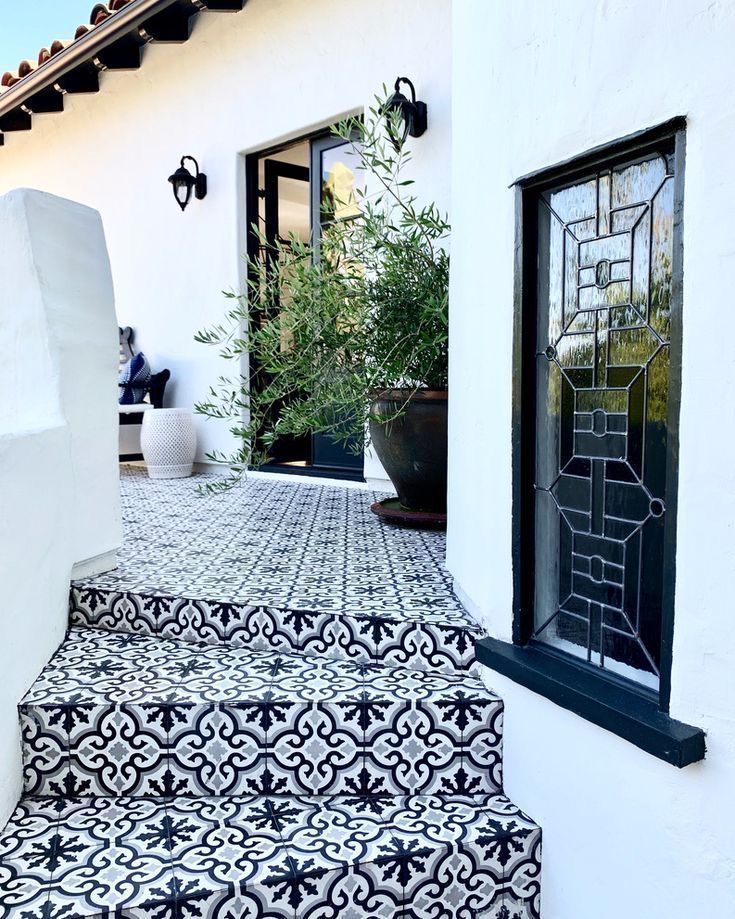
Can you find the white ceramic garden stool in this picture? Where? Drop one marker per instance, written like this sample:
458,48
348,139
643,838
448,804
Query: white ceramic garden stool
168,441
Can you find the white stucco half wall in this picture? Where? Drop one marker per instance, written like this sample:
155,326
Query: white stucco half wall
536,83
59,493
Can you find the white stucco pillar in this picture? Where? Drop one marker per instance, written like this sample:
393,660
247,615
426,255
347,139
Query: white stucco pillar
60,328
59,493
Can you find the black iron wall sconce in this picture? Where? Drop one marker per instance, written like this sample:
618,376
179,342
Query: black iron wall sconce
184,183
412,112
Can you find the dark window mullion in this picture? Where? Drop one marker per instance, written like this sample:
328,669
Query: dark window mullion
630,156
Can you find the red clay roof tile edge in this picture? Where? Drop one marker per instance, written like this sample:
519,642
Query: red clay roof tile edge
100,12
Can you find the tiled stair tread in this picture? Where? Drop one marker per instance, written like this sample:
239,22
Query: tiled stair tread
298,567
291,545
271,564
115,713
270,858
94,665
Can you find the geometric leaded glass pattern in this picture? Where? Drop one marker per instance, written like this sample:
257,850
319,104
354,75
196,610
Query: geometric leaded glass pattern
605,247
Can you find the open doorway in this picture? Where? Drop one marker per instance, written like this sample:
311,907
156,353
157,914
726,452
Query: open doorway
287,187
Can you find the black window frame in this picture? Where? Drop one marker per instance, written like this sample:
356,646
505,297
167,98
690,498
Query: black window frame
629,710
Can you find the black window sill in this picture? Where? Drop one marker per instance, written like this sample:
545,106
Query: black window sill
625,711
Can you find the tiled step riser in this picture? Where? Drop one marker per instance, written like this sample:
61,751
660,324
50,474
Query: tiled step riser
418,645
123,714
372,747
272,858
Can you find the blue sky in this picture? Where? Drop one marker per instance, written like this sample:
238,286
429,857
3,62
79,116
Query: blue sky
28,25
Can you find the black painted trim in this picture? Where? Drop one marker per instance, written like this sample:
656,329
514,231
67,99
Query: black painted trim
315,472
17,120
613,705
593,157
673,413
670,135
523,413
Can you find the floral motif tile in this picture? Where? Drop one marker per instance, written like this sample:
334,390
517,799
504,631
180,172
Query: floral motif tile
273,564
267,712
121,714
263,857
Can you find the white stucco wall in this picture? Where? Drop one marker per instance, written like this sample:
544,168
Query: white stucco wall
59,494
534,84
243,81
35,567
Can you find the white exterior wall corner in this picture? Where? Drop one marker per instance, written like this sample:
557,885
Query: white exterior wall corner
534,84
69,254
35,563
242,82
59,494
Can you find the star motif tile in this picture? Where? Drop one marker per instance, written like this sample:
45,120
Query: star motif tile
273,564
264,857
116,714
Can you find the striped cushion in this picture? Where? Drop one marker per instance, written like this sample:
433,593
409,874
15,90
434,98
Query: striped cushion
134,379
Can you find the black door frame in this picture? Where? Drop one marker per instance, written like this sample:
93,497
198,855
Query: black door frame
273,171
289,448
319,145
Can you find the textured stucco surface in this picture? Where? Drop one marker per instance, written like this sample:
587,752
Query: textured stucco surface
535,84
59,497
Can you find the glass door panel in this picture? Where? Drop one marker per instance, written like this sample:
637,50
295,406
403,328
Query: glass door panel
337,165
287,214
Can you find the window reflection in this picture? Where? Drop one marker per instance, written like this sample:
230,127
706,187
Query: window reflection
602,336
340,170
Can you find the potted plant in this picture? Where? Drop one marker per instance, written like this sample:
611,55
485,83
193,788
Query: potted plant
349,333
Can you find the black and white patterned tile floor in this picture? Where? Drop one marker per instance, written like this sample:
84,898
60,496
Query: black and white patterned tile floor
202,754
273,564
121,714
259,857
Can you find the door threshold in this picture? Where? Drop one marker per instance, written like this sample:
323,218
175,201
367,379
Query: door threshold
309,473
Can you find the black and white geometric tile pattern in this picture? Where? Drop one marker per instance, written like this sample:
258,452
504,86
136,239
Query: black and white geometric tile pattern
272,564
120,714
261,857
266,713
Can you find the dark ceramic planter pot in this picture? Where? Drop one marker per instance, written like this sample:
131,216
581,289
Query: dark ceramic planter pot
413,448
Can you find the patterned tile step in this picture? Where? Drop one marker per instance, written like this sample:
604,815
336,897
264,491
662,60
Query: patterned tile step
296,545
295,566
122,714
395,640
257,857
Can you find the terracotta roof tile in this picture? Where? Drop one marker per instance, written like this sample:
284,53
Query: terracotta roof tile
100,12
173,23
57,46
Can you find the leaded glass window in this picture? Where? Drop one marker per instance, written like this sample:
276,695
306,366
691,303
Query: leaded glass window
602,381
